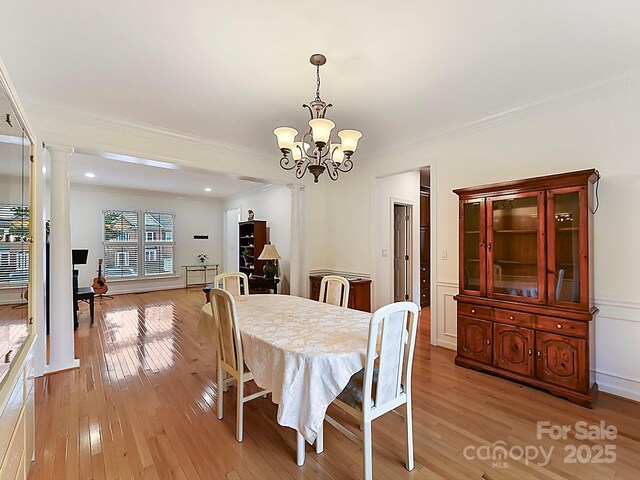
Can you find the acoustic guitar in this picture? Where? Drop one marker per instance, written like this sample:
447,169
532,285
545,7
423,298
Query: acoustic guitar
99,283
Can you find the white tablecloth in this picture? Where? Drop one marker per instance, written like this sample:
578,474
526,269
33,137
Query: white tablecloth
301,350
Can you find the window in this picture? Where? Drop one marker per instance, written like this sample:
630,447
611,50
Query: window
14,253
158,256
128,254
150,254
120,244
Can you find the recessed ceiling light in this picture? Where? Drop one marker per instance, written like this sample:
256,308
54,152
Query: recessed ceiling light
90,175
208,189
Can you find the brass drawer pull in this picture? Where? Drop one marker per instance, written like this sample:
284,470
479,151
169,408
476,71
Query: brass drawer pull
511,317
559,326
473,310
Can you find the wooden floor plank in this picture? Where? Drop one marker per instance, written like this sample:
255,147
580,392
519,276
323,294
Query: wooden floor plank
143,405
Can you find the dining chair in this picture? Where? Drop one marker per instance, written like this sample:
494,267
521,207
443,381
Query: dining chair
385,382
229,355
236,283
334,289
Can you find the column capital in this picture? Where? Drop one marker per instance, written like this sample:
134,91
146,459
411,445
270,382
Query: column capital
295,186
55,147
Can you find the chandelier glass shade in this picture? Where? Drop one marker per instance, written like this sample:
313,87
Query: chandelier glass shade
316,152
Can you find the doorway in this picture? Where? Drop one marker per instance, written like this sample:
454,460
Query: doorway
402,215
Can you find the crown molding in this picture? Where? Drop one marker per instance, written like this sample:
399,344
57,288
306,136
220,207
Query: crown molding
53,109
567,96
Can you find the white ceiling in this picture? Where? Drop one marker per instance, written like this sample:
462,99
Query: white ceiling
232,71
132,176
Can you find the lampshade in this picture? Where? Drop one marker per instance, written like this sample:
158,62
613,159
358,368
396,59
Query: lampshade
321,130
286,136
269,253
349,140
337,155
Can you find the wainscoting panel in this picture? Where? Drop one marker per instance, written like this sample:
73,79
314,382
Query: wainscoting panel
446,314
617,341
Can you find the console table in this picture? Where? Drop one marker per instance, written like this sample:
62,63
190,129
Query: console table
207,273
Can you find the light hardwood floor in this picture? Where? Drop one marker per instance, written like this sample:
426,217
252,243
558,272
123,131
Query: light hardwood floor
142,405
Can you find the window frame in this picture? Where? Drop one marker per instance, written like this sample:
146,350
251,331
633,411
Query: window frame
140,245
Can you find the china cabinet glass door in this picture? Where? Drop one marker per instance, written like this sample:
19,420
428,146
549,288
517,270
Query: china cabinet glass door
472,247
567,247
516,248
14,236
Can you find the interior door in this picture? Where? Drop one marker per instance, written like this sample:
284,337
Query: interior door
401,267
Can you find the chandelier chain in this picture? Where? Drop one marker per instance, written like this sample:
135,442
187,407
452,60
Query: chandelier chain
318,83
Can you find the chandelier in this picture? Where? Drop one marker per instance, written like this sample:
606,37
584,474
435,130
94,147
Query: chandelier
316,152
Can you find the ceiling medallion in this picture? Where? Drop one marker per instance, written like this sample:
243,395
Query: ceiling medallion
316,152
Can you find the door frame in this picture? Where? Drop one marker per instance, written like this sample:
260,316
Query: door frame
410,244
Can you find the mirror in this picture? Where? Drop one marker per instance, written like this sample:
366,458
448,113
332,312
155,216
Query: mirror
14,230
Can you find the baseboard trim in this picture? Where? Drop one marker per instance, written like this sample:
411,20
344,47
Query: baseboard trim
618,386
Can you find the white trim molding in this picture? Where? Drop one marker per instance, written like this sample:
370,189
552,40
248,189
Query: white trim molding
446,314
617,339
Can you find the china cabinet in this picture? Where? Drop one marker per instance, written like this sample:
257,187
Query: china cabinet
17,326
525,302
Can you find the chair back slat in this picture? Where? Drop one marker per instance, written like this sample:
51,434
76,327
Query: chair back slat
393,354
391,357
223,309
334,290
236,283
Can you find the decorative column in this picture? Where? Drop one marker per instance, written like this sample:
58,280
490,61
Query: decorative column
296,282
61,341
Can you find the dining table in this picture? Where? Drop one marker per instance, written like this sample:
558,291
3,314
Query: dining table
303,351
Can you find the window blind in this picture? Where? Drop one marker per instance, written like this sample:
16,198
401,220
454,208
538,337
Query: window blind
120,243
14,252
158,243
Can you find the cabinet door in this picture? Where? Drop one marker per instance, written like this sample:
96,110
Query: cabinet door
473,260
567,247
516,247
562,360
513,348
474,339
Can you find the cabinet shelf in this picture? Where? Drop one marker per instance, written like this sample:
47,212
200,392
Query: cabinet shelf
515,231
516,262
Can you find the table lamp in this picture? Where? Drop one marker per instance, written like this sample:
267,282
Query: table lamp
269,253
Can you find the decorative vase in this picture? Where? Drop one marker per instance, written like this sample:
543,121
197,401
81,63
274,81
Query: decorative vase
269,270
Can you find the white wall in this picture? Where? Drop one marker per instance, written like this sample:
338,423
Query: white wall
192,216
273,204
401,188
596,129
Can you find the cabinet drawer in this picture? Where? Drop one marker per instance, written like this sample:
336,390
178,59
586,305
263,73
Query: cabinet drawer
15,454
562,326
10,414
514,318
474,311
